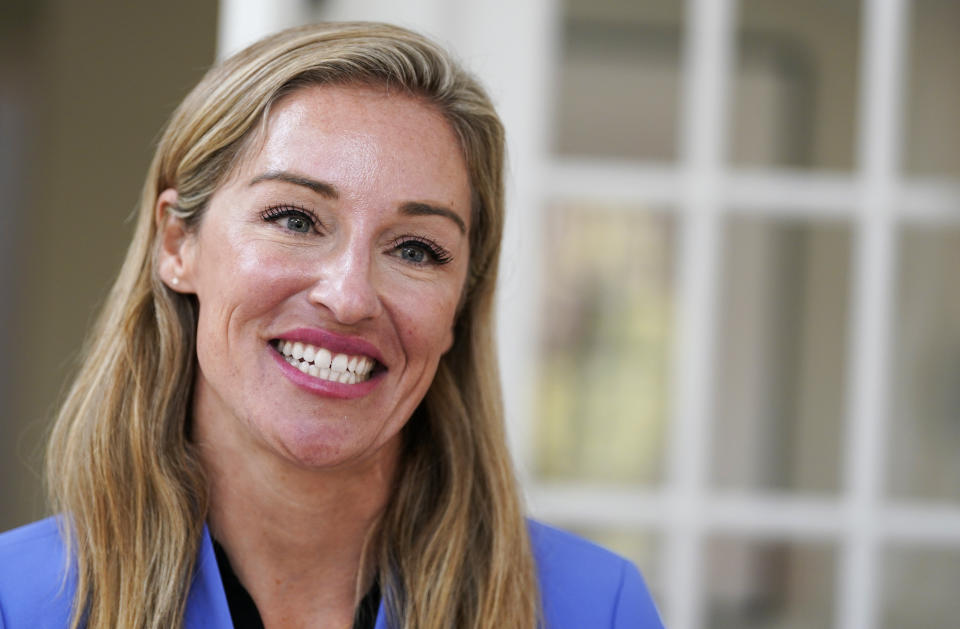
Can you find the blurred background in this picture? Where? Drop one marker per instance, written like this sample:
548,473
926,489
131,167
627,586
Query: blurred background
730,337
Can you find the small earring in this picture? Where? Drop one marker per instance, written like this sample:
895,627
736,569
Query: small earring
175,280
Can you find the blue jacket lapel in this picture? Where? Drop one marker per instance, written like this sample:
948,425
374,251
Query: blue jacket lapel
207,602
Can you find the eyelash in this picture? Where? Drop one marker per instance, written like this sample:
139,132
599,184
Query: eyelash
438,254
274,213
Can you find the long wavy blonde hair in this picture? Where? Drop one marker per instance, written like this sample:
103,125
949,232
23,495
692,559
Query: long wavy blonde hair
451,548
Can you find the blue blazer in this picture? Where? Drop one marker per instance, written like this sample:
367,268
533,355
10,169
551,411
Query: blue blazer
582,585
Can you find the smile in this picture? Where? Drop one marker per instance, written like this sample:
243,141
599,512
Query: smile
321,363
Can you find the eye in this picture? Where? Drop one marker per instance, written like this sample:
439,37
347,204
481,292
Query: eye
298,224
293,218
420,251
413,253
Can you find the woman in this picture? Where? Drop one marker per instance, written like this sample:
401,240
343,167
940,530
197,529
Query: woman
289,411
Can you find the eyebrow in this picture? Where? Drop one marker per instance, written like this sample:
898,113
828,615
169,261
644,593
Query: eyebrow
425,209
412,208
320,187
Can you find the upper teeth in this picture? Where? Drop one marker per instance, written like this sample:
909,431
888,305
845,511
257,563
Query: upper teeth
321,363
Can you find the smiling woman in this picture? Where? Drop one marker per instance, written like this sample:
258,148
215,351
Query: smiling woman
315,232
289,413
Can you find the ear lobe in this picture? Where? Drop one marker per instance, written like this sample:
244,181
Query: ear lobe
175,254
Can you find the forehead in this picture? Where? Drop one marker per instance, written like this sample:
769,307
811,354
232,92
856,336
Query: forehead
360,136
342,105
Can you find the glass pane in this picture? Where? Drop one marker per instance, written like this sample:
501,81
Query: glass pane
769,585
923,459
920,588
794,95
605,335
618,80
932,96
780,355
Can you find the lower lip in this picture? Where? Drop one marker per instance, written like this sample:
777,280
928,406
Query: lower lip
321,387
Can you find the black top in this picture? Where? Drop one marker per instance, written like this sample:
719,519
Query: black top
244,611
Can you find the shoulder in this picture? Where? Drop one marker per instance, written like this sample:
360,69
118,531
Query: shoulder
34,591
584,585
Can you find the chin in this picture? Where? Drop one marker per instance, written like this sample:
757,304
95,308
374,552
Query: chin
325,448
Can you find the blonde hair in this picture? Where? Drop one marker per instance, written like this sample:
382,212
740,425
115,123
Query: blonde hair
451,548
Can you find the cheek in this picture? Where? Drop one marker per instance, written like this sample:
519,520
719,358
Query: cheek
263,261
425,322
240,279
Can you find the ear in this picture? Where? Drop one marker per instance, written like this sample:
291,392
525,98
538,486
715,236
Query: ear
175,256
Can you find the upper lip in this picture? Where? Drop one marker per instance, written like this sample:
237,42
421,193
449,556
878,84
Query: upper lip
336,343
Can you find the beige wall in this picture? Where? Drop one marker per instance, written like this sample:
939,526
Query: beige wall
94,83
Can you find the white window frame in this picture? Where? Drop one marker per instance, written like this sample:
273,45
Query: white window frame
875,199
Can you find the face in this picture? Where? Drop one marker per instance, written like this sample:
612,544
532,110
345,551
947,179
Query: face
328,270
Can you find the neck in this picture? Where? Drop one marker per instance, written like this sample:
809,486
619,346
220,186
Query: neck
295,536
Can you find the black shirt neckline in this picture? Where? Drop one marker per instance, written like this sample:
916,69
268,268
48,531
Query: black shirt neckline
244,612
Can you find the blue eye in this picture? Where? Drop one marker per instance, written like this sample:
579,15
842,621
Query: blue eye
420,251
300,224
293,218
413,254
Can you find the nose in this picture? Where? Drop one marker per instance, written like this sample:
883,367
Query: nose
345,285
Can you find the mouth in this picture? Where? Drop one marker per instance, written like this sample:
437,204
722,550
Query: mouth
321,363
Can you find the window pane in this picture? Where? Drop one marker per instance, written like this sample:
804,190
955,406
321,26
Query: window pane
605,336
923,459
618,81
933,89
780,355
920,588
769,585
795,90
